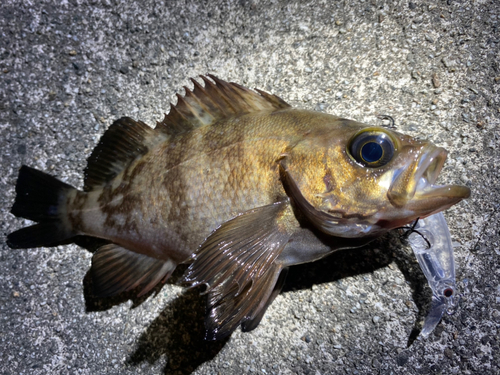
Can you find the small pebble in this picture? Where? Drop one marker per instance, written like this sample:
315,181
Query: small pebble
448,353
21,149
435,81
376,319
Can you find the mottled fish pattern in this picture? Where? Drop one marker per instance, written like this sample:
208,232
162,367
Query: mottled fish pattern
240,185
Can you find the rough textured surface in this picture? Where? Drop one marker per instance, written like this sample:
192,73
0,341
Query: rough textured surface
66,71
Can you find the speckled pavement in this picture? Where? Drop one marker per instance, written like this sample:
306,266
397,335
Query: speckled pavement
69,68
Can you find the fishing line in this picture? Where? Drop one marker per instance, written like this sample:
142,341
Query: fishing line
411,229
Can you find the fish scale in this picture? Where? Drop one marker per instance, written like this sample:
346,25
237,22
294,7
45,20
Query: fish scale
241,186
189,202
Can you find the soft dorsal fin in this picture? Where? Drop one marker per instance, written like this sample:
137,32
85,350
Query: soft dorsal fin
122,143
216,101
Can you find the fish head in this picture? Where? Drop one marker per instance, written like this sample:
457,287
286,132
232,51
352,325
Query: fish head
354,180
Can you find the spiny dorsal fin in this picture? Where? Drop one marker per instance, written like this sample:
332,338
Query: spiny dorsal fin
122,143
216,101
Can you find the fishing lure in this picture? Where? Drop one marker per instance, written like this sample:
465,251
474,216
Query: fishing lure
430,240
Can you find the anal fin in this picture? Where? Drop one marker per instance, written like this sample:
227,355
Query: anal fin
116,270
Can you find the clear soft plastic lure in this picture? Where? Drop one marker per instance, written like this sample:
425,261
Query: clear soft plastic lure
434,252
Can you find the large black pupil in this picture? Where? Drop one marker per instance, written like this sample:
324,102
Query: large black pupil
371,152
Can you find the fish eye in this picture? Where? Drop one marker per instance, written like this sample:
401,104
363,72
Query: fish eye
372,148
448,292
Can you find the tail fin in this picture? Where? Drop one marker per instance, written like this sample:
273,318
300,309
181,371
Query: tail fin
40,198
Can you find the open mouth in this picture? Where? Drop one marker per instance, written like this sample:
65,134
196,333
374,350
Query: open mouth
428,170
415,187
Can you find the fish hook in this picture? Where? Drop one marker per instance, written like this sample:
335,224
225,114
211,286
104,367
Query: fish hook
411,229
391,120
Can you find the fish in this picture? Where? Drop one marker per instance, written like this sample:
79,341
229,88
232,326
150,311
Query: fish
239,186
430,241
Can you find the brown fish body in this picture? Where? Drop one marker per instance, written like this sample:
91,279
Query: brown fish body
168,201
240,184
172,198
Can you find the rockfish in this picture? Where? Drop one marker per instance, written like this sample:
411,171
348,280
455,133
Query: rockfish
241,186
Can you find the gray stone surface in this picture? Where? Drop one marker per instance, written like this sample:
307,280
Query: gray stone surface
68,70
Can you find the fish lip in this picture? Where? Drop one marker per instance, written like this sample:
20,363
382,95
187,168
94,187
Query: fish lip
429,167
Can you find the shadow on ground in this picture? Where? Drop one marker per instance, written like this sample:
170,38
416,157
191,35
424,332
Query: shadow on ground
178,332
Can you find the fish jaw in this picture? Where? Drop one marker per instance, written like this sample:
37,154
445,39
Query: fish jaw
415,188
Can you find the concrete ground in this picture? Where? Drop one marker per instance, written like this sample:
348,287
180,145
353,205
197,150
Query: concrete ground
68,69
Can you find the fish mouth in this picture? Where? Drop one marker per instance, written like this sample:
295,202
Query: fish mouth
428,169
419,192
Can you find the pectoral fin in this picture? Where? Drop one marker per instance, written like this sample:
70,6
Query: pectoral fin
115,270
227,308
237,263
251,324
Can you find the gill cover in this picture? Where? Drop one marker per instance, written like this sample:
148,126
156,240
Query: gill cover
333,225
